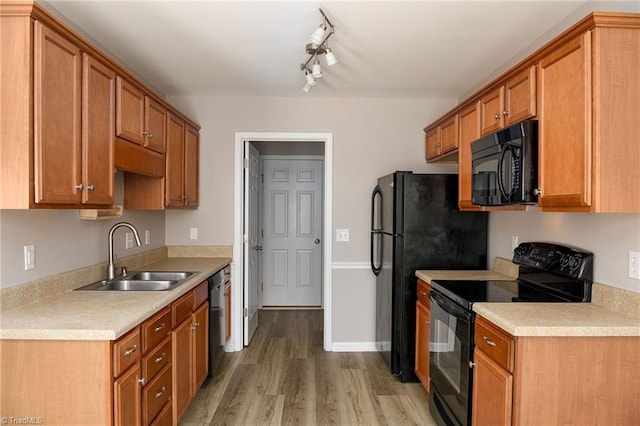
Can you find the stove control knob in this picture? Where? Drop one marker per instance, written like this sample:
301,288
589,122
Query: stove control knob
564,260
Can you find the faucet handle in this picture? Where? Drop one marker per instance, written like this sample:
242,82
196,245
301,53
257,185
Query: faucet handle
125,270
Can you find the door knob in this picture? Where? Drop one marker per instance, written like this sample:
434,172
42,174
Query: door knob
317,241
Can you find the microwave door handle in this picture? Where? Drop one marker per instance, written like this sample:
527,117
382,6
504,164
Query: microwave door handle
500,165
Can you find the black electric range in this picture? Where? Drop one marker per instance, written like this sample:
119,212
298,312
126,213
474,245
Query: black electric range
547,273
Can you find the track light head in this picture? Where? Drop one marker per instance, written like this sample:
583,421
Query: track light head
316,70
318,34
330,57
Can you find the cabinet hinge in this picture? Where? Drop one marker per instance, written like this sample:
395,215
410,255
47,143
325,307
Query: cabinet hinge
246,312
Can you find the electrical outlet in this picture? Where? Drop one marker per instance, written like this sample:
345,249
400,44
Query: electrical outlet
514,242
29,257
193,233
128,240
147,237
634,265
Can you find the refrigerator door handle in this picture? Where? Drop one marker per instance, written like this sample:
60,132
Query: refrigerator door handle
377,191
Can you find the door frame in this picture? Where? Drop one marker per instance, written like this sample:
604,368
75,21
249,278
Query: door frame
238,225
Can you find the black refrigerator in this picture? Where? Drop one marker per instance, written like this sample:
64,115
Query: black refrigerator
416,224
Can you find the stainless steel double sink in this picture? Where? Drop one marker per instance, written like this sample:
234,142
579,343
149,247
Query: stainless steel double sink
141,281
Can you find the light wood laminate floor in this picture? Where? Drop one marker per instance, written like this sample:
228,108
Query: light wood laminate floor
285,377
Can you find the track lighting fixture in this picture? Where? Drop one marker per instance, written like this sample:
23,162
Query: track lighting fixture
318,46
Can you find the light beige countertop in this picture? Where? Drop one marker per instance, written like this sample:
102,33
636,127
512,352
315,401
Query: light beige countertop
101,315
558,319
429,276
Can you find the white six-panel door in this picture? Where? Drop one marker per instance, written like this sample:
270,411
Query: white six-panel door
292,239
251,251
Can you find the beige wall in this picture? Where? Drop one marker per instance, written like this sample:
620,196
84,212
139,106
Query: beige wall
609,236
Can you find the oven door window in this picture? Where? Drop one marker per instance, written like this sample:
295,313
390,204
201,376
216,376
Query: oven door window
449,354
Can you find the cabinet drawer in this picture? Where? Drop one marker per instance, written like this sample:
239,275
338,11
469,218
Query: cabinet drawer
156,394
164,418
200,295
182,308
156,359
126,351
155,329
495,343
423,293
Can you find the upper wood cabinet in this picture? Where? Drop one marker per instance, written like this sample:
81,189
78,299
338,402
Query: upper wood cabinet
181,186
139,119
71,121
441,139
57,118
510,103
469,131
588,123
69,164
583,88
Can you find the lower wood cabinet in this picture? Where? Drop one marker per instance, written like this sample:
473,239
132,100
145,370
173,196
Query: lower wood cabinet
423,330
146,377
190,350
540,380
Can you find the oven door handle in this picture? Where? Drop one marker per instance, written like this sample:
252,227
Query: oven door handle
448,306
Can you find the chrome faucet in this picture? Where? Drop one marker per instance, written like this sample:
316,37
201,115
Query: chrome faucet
111,270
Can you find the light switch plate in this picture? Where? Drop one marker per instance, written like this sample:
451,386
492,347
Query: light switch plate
342,235
193,233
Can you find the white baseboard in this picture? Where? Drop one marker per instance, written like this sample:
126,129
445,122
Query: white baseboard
353,347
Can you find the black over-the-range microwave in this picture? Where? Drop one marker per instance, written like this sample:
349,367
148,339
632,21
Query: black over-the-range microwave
505,166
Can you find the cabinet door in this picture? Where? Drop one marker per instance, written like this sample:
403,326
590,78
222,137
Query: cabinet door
469,128
155,124
422,344
492,392
98,107
174,189
520,97
127,398
129,112
181,368
449,134
432,143
491,107
564,119
57,115
200,346
191,171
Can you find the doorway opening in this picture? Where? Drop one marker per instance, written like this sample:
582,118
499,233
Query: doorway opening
307,156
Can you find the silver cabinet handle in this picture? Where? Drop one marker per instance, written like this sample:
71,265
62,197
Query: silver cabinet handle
162,391
497,116
505,112
422,292
195,326
91,187
145,133
427,323
142,381
160,358
488,342
150,135
159,328
80,186
537,191
131,350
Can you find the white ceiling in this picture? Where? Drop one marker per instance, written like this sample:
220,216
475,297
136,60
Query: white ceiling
384,48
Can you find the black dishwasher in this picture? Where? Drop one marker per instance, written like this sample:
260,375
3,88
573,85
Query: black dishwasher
216,320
